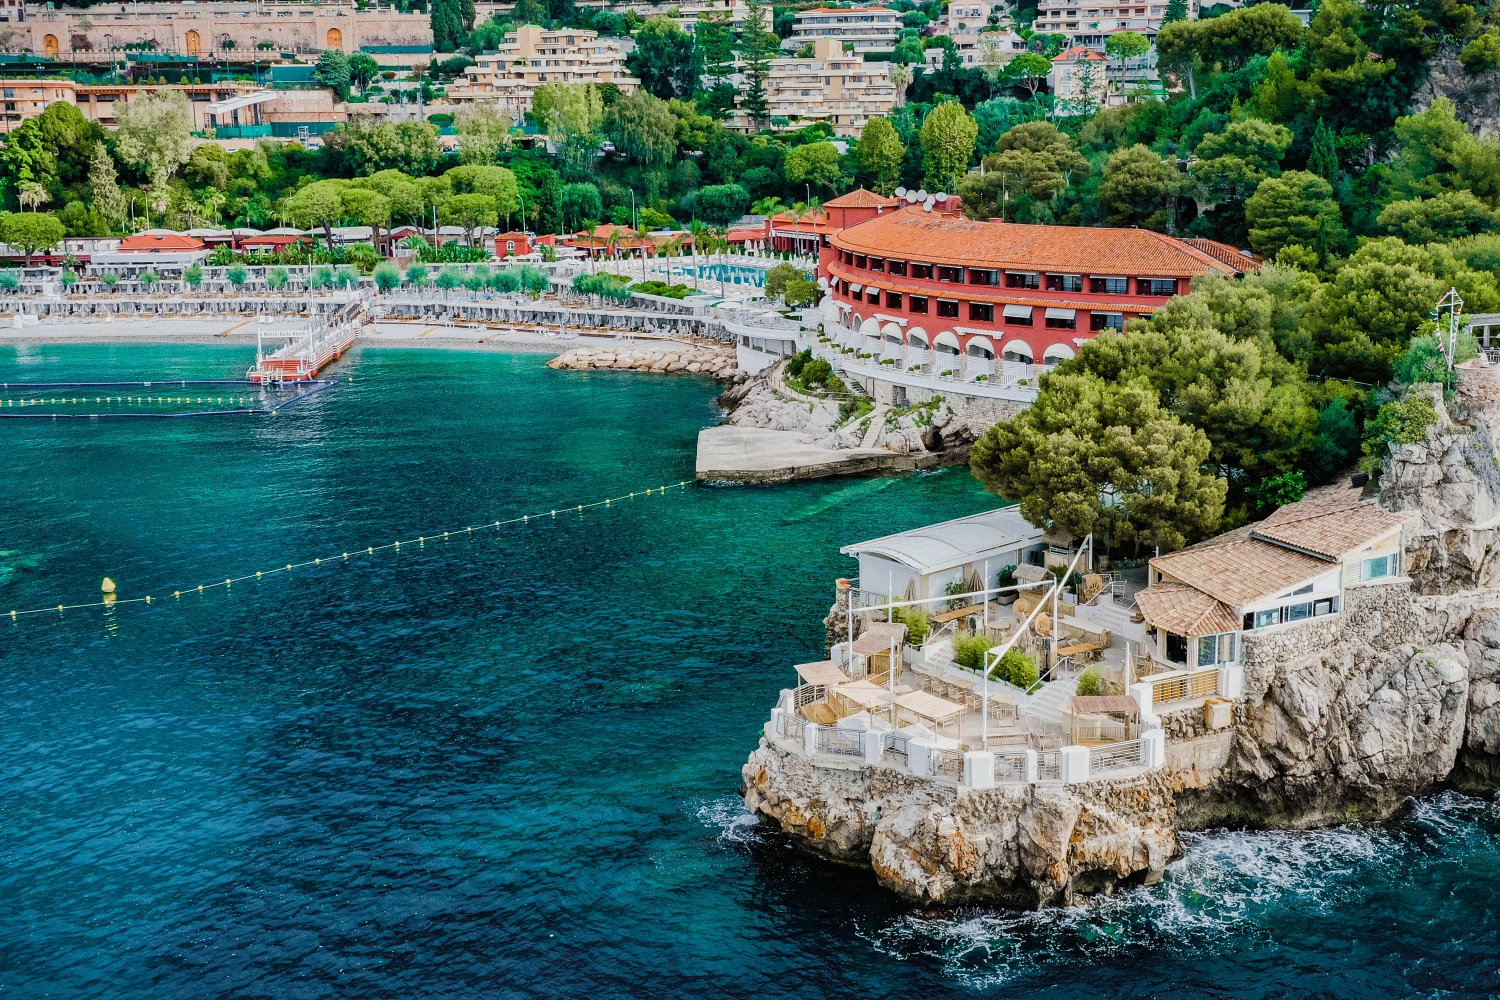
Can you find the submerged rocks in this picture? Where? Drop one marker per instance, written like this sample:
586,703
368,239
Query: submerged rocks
708,357
935,842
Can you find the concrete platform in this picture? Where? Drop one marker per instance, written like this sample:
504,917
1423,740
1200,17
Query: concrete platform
758,455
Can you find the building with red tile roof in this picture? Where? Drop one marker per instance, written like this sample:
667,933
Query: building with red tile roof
160,243
937,281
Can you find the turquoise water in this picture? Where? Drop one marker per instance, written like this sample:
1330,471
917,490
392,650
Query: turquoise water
506,765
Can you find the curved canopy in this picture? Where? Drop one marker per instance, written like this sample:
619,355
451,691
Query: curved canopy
1019,348
869,328
916,335
980,345
1061,352
946,339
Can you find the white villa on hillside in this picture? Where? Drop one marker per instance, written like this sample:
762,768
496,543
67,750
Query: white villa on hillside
918,565
1295,565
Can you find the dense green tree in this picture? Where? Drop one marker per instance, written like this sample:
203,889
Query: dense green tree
580,201
721,203
30,232
815,163
496,183
103,186
470,211
644,128
447,24
757,47
1124,46
482,133
156,134
1483,53
568,109
1177,10
665,59
318,205
208,166
1090,455
540,192
1448,216
1033,161
715,35
948,136
332,71
410,147
1323,160
363,70
1296,208
1140,189
880,154
55,149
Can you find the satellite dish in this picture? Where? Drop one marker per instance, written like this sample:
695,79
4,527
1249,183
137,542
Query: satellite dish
901,192
941,197
922,194
929,203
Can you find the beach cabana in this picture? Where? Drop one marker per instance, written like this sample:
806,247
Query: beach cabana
814,681
929,709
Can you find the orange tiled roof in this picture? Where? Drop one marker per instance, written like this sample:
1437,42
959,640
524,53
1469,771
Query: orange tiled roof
944,239
1237,573
1185,610
1076,53
1329,522
861,198
1240,260
147,243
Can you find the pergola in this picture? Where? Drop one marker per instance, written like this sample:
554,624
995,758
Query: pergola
1103,719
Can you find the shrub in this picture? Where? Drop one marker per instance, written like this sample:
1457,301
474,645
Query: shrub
476,282
968,650
9,280
362,256
449,278
346,277
193,275
237,274
918,623
322,277
797,363
277,277
817,372
533,280
1401,421
1006,577
149,278
1091,683
68,279
417,275
111,280
1017,668
507,281
387,277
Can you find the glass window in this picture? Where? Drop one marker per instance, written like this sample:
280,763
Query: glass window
859,260
947,307
1297,612
919,303
1375,569
1264,618
981,312
893,300
953,274
1018,279
876,264
1065,282
921,271
1156,286
896,266
1208,650
1226,647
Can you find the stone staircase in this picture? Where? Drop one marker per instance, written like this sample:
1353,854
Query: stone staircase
1048,704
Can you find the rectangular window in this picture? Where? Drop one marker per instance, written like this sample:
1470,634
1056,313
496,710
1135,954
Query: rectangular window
1156,286
896,266
1380,567
859,260
1323,607
1021,279
919,304
1298,612
1208,650
980,276
893,300
1062,319
874,296
876,264
982,312
1110,286
947,307
1264,618
1064,283
951,274
1106,321
1019,315
1226,647
921,271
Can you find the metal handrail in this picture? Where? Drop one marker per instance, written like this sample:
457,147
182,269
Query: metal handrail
838,741
1010,765
1049,765
948,764
1115,756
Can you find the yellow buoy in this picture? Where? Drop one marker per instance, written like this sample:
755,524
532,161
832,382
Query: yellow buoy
108,586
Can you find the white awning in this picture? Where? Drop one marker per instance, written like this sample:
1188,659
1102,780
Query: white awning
1062,351
978,344
1018,312
1062,313
856,289
236,103
946,339
917,335
1018,347
870,328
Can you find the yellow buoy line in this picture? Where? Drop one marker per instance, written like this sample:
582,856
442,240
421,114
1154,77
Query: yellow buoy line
111,600
127,400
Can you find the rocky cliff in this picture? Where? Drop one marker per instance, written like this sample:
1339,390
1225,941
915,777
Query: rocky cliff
1024,845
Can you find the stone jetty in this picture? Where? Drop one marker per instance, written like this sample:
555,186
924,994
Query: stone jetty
705,357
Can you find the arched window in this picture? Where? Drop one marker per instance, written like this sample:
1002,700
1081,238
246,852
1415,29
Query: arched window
194,43
49,45
335,38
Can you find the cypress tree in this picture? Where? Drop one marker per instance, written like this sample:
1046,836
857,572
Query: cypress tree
756,46
447,25
1324,158
1177,10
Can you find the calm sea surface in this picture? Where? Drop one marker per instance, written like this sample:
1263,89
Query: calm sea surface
506,764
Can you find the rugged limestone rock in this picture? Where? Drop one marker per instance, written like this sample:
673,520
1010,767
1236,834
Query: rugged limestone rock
1476,96
707,357
935,842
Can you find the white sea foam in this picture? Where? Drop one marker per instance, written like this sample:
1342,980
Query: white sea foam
736,824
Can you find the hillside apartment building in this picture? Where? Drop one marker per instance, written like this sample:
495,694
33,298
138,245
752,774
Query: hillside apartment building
831,86
867,29
532,56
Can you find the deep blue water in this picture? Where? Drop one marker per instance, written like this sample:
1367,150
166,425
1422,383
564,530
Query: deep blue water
506,765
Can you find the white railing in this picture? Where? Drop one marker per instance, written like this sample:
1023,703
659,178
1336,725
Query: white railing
1116,756
980,367
948,764
1098,729
1049,765
791,727
1010,765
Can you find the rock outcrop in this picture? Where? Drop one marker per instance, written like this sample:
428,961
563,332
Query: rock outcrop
1025,845
706,357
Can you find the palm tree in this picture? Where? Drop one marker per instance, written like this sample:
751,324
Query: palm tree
699,229
31,195
901,77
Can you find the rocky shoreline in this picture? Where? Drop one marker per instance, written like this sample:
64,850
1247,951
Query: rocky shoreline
1343,719
705,357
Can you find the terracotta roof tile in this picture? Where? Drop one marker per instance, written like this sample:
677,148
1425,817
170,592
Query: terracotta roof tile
936,238
1237,573
1240,260
164,241
861,198
1185,610
1329,522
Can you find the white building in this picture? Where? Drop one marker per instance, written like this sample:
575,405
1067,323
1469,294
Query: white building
1080,76
532,56
972,46
868,29
920,564
1091,23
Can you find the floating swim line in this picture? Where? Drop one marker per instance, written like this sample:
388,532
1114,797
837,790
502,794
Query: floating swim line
369,550
8,406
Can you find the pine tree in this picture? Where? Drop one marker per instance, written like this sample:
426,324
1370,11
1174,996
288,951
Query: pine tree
1324,158
1177,10
756,46
108,201
447,25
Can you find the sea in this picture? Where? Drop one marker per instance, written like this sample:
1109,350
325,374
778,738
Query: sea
504,762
